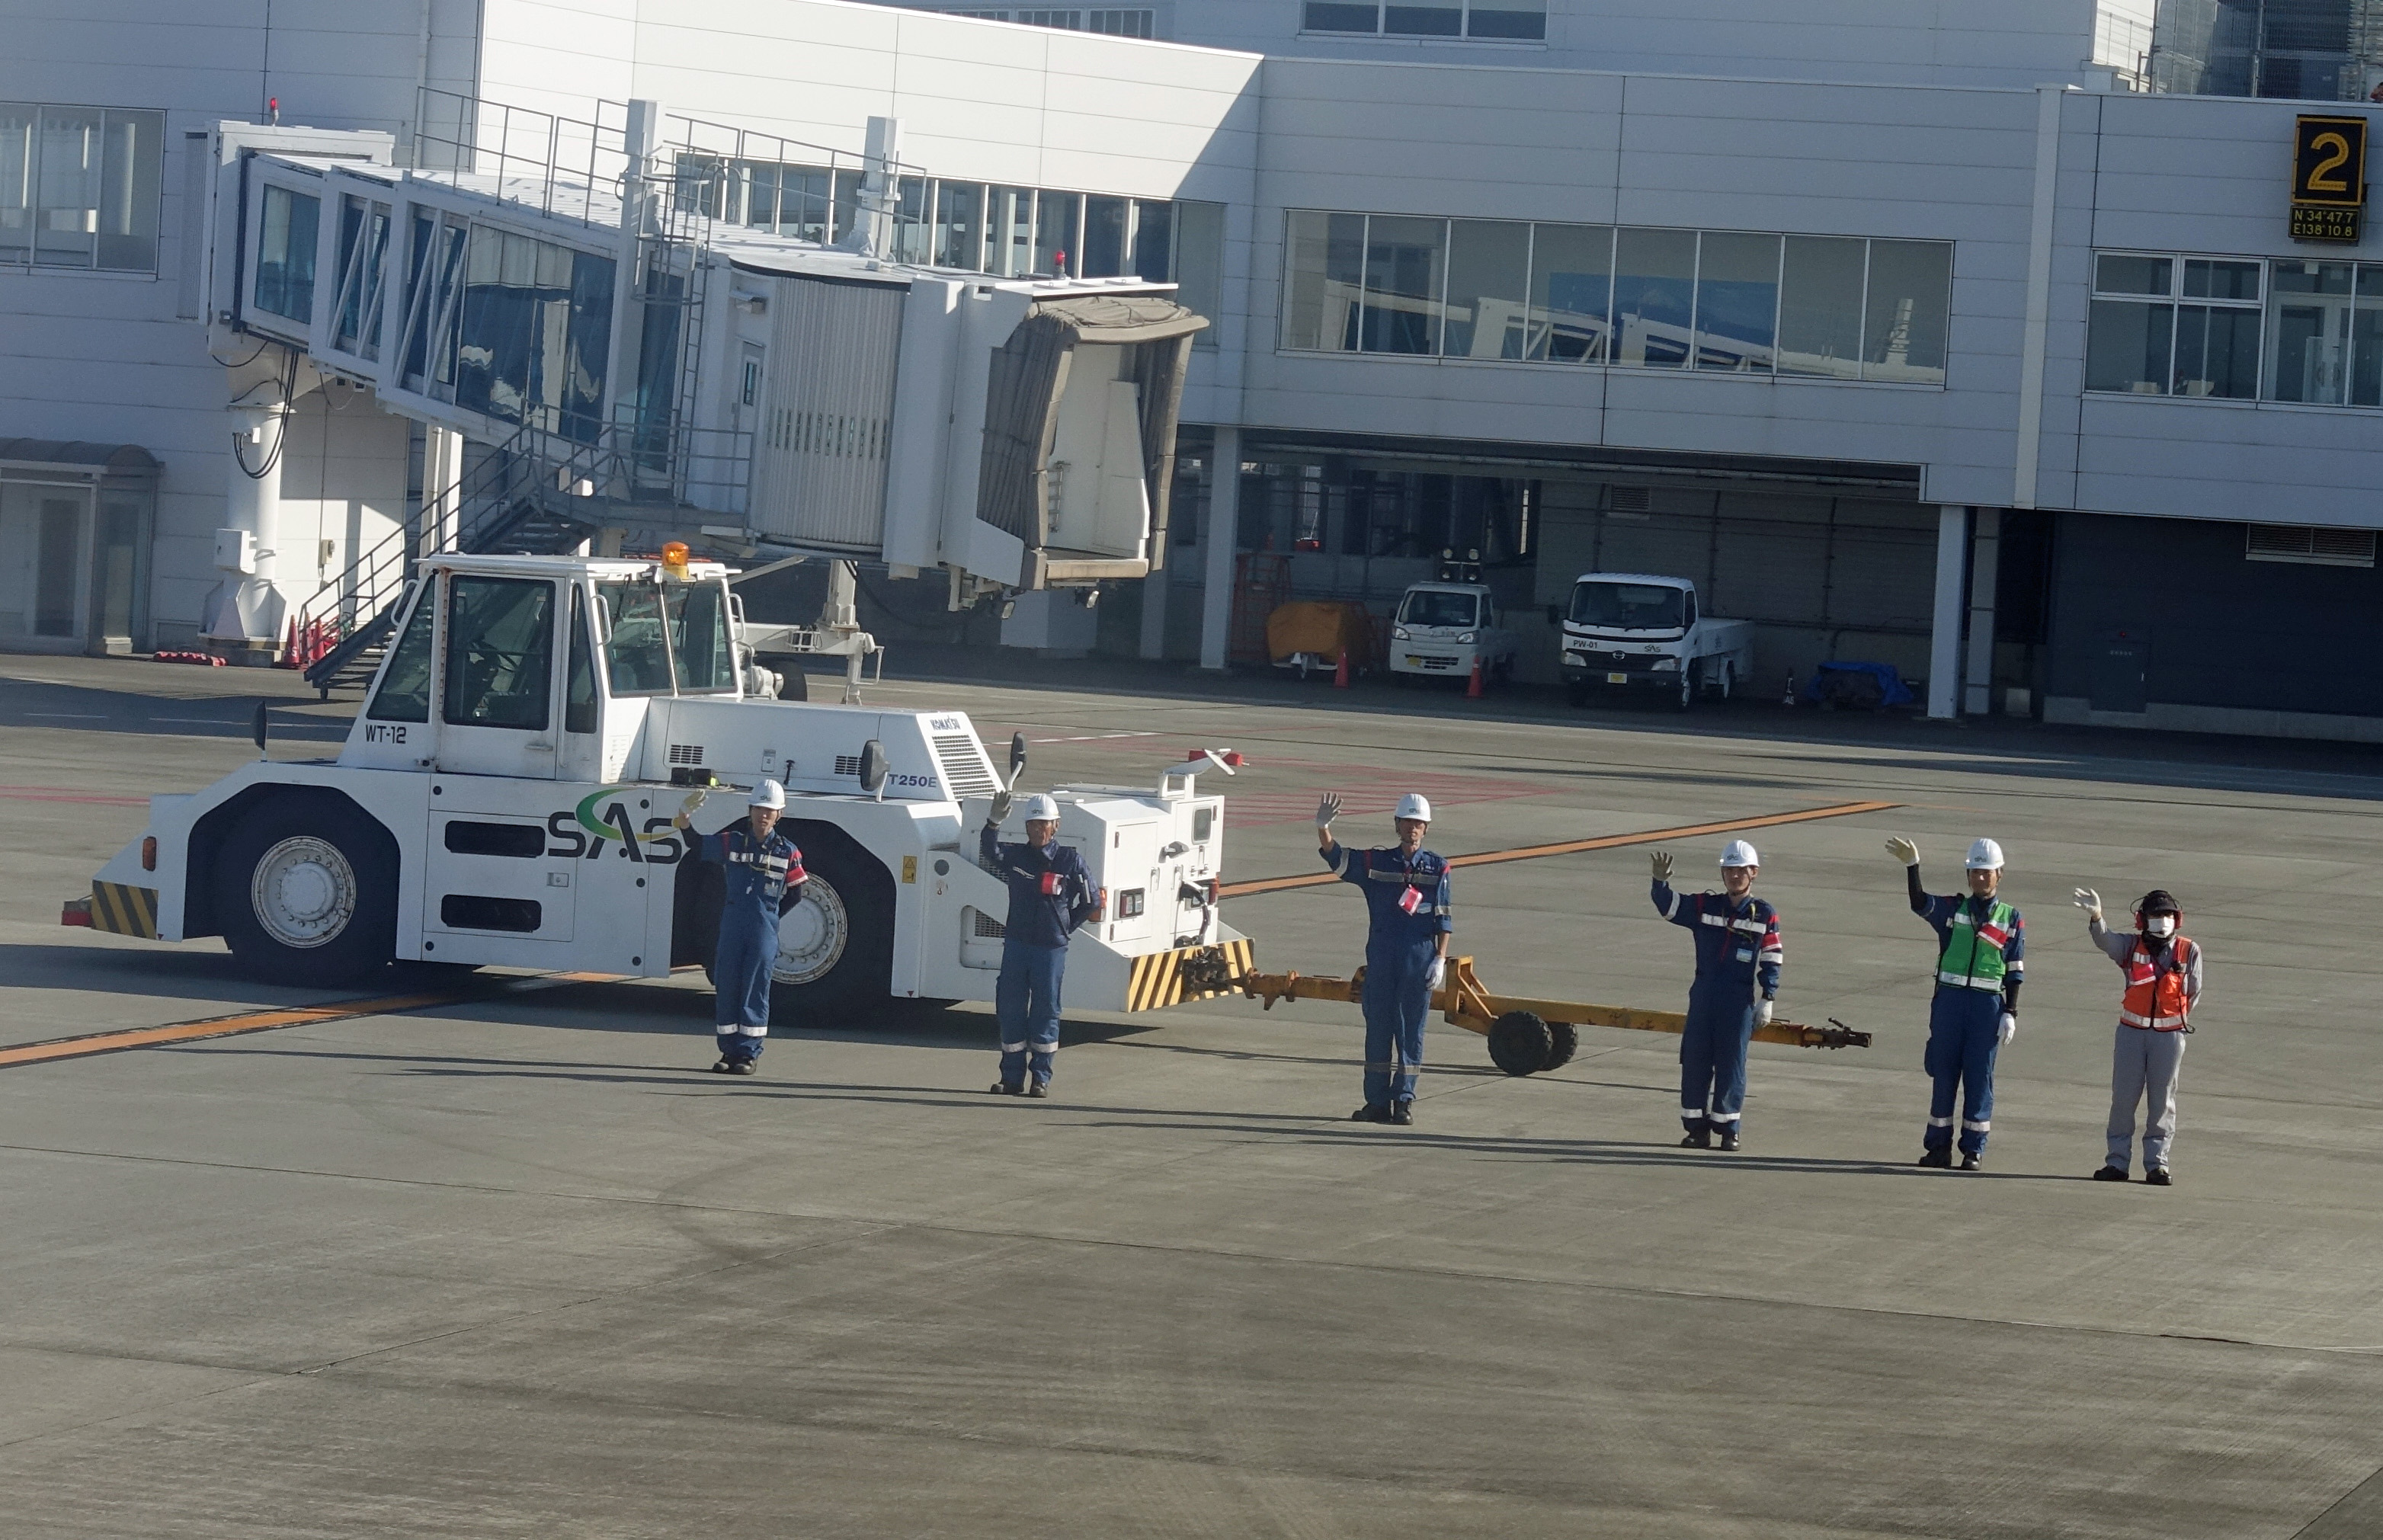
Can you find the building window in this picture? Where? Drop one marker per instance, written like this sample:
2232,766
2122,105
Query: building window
1503,21
80,187
2290,329
2310,547
1129,22
1713,300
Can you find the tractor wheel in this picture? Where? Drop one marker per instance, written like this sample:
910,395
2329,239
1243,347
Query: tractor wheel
305,889
1564,1041
835,935
1520,1043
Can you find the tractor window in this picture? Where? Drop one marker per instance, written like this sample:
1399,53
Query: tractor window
579,711
404,693
636,655
698,633
500,651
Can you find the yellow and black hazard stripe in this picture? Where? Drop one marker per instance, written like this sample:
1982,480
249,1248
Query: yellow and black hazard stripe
124,909
1162,979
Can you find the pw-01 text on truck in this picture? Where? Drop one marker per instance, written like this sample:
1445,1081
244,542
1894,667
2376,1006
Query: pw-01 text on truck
506,794
1443,630
1637,631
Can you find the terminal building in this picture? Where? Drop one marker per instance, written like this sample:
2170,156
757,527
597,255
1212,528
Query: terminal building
1992,350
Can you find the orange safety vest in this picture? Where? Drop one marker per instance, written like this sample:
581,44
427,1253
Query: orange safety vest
2154,993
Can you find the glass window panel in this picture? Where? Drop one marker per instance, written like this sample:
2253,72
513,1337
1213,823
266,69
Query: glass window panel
1200,263
1056,217
16,121
1326,275
363,242
1821,306
1154,241
285,253
1103,250
492,352
1654,291
66,177
1489,280
2117,274
500,652
2366,337
2308,331
959,225
1737,302
2217,352
847,204
2221,281
132,165
1404,263
404,693
1423,20
1012,225
590,343
2126,346
913,230
580,695
1908,310
697,619
1508,19
1322,16
637,658
1570,317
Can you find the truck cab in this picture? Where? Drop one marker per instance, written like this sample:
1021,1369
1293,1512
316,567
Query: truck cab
1647,632
1443,629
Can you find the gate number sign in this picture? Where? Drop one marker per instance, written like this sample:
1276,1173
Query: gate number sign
2328,178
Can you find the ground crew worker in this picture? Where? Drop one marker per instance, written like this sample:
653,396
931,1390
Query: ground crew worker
2163,969
1406,949
1981,945
762,865
1050,894
1738,954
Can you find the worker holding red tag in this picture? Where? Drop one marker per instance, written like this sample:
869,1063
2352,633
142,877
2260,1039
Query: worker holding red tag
1051,894
1406,949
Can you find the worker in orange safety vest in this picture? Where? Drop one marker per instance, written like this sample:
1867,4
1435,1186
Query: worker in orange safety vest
2163,972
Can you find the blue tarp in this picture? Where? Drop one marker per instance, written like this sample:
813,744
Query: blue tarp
1887,685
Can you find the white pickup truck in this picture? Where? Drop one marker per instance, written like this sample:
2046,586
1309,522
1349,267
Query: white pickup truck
1444,629
1639,630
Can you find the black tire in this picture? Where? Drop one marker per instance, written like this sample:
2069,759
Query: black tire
306,891
1520,1043
1563,1041
847,931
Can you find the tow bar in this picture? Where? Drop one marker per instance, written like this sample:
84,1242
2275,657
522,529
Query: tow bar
1527,1036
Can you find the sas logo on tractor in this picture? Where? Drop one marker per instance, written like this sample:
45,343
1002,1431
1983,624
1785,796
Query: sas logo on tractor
582,830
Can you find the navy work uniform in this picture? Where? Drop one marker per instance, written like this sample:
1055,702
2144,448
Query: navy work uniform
1051,894
759,870
1980,962
1738,955
1407,909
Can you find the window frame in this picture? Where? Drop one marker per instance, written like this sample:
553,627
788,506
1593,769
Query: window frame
2264,396
1464,34
297,183
153,205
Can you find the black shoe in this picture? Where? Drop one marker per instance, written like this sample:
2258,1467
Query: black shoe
744,1067
1402,1113
1040,1091
1003,1088
1972,1163
2113,1174
724,1067
1370,1113
1941,1159
1697,1139
1729,1139
2156,1176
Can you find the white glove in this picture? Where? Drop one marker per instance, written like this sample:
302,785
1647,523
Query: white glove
1436,973
1905,851
2089,901
694,800
2009,1028
1661,862
1327,809
1000,813
1763,1012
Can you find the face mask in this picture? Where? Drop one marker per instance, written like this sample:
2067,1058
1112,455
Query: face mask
2159,927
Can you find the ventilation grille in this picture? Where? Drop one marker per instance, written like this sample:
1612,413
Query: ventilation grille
1630,499
2320,547
686,754
988,927
966,774
848,764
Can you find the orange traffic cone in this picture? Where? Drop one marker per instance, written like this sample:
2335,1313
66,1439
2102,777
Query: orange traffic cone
290,647
1341,674
1472,685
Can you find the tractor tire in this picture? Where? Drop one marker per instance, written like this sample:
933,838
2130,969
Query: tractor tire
835,935
305,890
1520,1043
1564,1040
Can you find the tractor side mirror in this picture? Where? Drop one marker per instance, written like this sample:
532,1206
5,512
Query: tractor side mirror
873,767
1016,756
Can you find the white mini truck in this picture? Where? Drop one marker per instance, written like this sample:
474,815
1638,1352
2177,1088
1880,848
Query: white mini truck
506,793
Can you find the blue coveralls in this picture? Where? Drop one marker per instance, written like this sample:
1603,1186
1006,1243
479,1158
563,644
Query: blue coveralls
758,872
1050,895
1965,1028
1737,953
1407,905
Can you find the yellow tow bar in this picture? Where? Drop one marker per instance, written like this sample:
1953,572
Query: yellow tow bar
1527,1036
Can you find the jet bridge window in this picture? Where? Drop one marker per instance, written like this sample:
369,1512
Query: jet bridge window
500,652
404,693
536,320
285,254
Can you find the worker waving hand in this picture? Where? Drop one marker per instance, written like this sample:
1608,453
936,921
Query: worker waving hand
1050,895
1738,955
1981,945
762,867
1406,949
2163,970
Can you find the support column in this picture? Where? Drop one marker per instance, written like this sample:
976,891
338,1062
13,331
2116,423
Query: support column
1985,547
1945,641
1224,543
246,614
1154,616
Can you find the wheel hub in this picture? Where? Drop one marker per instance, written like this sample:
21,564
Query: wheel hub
812,934
305,892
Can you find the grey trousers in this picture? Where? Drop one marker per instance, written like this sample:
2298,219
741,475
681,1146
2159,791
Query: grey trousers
2144,1069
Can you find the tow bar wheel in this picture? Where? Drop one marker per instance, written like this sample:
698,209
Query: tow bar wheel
303,891
1520,1043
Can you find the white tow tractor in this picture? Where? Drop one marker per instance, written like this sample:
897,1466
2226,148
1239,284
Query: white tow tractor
505,799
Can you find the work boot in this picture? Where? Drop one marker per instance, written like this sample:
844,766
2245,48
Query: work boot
2113,1174
1972,1162
1040,1091
1003,1088
1370,1113
1940,1159
1402,1112
2156,1176
1697,1139
744,1067
724,1067
1729,1139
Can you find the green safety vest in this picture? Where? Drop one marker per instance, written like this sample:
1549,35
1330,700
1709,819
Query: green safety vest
1974,952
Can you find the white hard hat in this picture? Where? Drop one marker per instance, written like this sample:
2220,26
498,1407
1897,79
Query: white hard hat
1985,856
1041,808
1413,805
768,794
1740,854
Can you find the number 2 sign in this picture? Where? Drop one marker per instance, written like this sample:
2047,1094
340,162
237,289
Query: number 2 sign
2328,177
